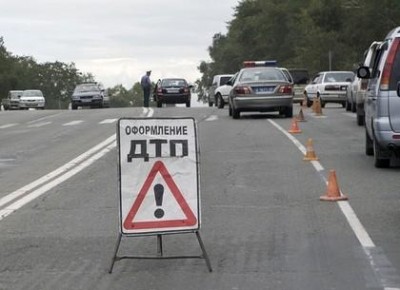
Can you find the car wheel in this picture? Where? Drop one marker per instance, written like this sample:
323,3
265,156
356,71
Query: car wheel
353,107
347,105
289,112
378,160
360,120
230,110
369,147
210,104
74,107
220,102
188,104
235,114
159,104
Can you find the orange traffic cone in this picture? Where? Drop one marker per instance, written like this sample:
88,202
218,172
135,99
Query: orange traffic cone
332,190
300,116
310,153
294,129
318,109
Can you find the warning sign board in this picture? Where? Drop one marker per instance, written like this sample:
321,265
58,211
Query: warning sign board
158,169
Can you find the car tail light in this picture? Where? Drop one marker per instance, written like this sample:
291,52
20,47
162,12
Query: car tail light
285,89
387,70
242,90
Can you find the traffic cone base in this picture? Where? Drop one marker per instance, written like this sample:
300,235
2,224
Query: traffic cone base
310,153
294,129
332,190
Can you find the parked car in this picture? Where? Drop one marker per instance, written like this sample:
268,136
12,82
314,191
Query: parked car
330,87
300,80
382,101
11,102
172,91
358,88
91,95
32,99
260,87
219,97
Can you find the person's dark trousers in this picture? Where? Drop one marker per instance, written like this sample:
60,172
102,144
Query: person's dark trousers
146,97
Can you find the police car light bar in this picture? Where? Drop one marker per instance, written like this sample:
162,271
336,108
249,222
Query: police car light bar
251,63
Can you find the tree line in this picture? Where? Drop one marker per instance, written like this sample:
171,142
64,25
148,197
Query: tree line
313,34
56,80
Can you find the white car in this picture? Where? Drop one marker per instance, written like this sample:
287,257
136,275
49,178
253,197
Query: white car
213,95
32,99
330,87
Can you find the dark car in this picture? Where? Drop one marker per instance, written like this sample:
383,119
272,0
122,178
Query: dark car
89,95
172,91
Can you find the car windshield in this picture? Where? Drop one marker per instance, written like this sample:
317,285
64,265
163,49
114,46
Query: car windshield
224,80
86,88
15,95
173,83
255,75
339,77
32,93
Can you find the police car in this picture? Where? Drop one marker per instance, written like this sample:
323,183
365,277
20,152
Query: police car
260,86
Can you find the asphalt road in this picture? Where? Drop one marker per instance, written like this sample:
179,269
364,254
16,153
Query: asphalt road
263,225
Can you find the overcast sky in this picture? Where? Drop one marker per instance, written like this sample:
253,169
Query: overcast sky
116,40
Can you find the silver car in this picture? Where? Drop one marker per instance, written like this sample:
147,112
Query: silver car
259,87
32,99
382,101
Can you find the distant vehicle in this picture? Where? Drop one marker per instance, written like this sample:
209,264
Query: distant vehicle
330,87
172,91
32,99
358,88
382,101
260,86
11,102
219,97
91,95
300,81
223,91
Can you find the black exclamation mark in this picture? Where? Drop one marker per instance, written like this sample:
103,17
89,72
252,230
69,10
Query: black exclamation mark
158,194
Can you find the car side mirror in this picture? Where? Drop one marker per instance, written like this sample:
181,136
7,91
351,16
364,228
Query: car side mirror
363,72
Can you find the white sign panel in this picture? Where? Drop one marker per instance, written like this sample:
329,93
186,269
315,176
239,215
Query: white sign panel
159,190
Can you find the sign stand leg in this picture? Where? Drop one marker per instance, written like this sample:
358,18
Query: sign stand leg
115,252
203,249
160,253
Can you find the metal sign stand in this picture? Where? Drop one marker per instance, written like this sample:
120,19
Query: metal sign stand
160,252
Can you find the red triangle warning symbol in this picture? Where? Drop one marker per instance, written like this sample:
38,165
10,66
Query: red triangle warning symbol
190,219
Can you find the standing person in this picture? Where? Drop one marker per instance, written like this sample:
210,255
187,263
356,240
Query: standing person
146,86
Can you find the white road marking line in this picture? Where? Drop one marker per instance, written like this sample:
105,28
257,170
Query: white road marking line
212,118
351,217
21,191
73,123
108,121
72,166
39,125
41,190
8,125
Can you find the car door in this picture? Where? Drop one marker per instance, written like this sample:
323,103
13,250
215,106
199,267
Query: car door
370,104
314,86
